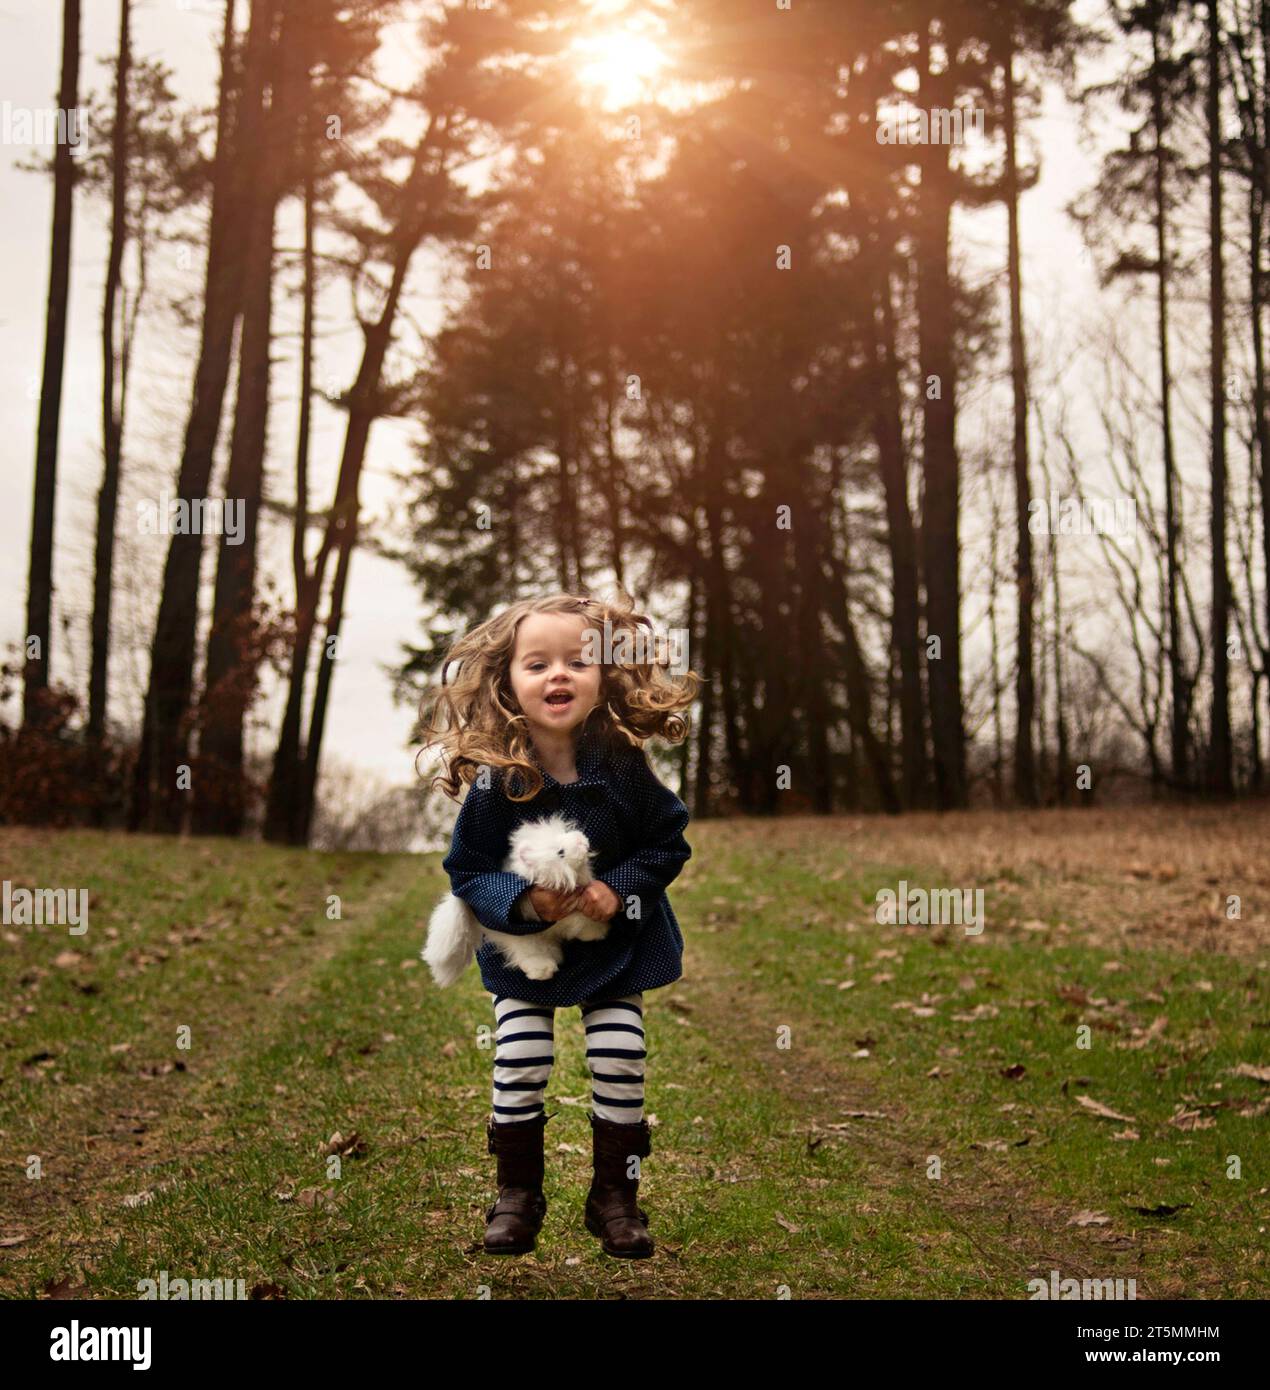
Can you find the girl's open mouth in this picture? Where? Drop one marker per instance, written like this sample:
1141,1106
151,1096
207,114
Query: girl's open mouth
562,698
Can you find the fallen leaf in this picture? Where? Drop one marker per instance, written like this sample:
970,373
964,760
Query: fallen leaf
354,1146
1090,1218
1142,1037
1103,1111
1191,1119
979,1011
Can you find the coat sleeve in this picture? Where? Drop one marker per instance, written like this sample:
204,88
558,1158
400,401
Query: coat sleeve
655,864
478,849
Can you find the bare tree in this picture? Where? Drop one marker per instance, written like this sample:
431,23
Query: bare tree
39,599
111,410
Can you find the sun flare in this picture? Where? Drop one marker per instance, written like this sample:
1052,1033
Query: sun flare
619,63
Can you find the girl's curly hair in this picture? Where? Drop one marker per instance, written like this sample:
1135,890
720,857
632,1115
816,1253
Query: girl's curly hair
477,721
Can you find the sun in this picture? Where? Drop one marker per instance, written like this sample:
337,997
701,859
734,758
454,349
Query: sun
620,63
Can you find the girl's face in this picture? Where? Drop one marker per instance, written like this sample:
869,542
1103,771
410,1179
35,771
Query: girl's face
555,687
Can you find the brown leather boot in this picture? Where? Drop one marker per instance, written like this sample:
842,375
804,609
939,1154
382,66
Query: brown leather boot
515,1218
611,1211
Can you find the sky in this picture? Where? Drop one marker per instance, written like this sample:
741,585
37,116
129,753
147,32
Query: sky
366,731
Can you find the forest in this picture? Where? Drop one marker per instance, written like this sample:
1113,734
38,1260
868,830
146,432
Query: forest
734,313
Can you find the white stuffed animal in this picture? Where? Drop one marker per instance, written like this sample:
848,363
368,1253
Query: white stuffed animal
551,853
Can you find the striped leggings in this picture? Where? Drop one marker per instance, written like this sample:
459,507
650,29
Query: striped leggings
525,1050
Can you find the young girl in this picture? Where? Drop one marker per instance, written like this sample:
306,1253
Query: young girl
536,725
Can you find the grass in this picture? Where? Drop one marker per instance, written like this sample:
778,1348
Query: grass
228,1080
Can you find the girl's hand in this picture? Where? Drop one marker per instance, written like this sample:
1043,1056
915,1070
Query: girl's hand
551,905
598,901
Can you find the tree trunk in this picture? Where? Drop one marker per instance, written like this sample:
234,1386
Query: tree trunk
940,519
720,608
705,632
326,669
994,651
1025,699
1062,749
1219,744
111,416
611,470
1260,202
293,783
773,727
812,677
39,594
1180,693
902,544
157,802
229,681
282,785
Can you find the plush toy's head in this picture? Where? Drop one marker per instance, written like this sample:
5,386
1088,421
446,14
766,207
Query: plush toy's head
553,853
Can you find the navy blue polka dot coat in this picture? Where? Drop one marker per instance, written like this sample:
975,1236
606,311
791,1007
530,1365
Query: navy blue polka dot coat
636,826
